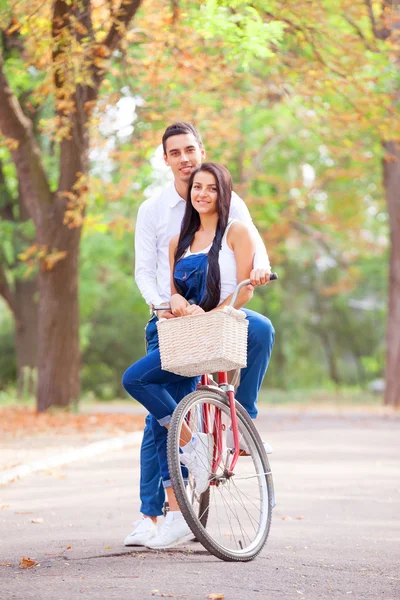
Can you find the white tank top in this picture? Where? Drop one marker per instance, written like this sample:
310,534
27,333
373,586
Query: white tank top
227,265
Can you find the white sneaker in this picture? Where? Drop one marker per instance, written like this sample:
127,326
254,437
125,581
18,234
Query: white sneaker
143,531
244,449
199,460
173,531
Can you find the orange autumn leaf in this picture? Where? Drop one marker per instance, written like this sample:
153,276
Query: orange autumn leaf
26,563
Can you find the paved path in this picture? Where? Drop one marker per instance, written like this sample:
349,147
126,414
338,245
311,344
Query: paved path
335,530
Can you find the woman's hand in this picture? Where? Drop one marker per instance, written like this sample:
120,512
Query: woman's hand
259,277
178,305
193,309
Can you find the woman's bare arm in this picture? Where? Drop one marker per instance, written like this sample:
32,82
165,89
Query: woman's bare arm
243,246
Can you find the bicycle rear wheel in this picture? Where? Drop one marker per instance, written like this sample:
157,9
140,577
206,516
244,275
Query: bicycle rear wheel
239,507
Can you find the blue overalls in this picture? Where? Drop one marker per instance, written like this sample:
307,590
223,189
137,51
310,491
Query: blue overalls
160,391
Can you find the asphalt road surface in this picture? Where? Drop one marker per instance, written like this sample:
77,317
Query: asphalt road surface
335,530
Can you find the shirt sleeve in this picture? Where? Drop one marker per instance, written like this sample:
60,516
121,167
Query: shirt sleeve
240,212
146,254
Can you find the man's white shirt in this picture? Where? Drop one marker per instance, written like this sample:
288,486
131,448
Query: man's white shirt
158,221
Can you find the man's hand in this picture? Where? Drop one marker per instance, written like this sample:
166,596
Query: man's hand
164,314
259,277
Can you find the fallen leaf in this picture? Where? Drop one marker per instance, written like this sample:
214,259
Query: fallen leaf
300,518
286,518
19,420
5,564
26,563
215,596
38,520
4,506
68,547
108,547
55,474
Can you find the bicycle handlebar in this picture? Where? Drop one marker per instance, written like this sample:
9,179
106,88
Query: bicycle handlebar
242,284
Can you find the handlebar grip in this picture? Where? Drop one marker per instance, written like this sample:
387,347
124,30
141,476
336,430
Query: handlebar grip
273,276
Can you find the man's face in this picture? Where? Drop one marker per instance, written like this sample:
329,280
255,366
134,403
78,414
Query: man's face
183,155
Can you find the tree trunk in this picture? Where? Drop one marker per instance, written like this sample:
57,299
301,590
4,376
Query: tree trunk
59,381
391,178
330,356
26,326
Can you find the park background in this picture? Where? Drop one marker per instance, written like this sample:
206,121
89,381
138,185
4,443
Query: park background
298,99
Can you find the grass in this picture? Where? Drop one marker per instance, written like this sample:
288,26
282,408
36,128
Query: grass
304,398
353,397
9,397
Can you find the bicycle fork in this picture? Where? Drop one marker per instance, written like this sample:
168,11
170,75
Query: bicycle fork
218,428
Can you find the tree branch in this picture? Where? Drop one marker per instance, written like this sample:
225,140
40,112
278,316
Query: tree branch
125,14
121,20
360,34
318,238
16,127
175,10
380,33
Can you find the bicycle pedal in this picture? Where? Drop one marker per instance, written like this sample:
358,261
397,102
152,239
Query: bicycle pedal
241,452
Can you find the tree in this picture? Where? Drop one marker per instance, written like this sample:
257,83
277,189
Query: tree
343,60
78,63
19,292
386,26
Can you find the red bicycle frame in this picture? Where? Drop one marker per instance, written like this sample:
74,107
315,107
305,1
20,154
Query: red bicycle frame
217,427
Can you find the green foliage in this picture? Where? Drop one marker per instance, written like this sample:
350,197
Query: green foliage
113,314
8,365
245,34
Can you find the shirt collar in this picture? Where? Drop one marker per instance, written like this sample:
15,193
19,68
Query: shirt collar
174,197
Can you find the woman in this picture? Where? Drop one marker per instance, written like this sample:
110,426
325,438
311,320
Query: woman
208,259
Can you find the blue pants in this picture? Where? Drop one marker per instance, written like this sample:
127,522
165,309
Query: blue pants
260,342
147,382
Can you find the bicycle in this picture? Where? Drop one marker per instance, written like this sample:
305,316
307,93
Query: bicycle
232,517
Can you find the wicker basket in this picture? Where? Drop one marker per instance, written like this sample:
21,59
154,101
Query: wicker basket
205,343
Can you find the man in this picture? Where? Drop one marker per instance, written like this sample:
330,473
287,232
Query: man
159,219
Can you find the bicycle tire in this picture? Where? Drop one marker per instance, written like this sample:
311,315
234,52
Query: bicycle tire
218,399
201,504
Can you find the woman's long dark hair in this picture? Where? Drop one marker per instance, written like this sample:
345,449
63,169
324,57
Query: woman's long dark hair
191,223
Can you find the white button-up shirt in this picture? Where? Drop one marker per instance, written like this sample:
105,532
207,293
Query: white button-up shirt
158,221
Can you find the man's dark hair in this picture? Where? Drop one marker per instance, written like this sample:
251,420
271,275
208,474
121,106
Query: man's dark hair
180,129
191,224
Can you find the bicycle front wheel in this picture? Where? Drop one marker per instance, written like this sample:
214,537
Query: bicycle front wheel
234,522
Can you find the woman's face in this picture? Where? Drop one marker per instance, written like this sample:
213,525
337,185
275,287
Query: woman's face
204,194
